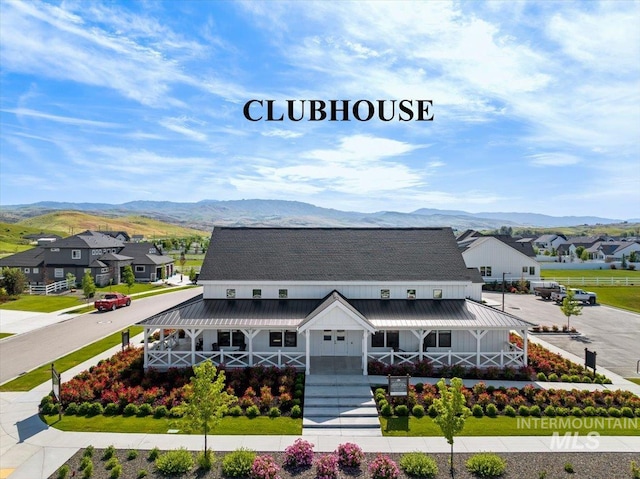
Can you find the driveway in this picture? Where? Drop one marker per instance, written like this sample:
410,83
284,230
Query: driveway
613,333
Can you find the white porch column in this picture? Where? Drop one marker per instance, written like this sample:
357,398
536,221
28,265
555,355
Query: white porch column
524,346
365,353
478,334
307,340
193,334
250,333
146,348
421,334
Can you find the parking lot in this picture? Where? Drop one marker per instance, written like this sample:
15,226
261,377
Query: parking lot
613,333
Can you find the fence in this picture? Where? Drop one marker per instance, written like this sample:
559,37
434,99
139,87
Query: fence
51,287
596,281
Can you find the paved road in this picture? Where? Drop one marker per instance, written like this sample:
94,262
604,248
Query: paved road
613,333
23,352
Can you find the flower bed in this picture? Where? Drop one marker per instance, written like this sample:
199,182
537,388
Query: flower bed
527,401
120,382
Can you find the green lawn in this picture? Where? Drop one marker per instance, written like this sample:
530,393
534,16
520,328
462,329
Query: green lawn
41,303
263,425
634,380
509,426
625,297
39,375
5,335
136,288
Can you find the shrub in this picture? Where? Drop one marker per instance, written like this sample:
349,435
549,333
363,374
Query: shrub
153,454
349,455
568,467
264,467
109,452
477,411
386,410
116,471
71,409
298,455
535,411
382,467
509,411
486,465
63,472
88,452
432,411
553,377
130,410
419,387
145,410
178,461
176,412
550,411
235,411
402,410
253,411
142,473
83,409
296,412
132,454
111,463
626,411
84,462
274,412
589,411
238,463
418,411
541,377
576,411
160,411
111,409
87,471
205,460
613,412
491,410
418,465
523,411
95,409
635,470
327,467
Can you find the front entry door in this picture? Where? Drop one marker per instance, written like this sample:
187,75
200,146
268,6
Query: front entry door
334,342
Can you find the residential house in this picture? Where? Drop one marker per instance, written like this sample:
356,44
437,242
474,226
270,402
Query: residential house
296,296
100,254
120,235
149,264
548,242
498,255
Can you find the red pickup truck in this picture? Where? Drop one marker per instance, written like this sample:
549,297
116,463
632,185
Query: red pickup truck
112,301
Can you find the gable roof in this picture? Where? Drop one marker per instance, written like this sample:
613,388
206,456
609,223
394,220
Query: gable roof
145,253
87,239
333,300
522,248
334,254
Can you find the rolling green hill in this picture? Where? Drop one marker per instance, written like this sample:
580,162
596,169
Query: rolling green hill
67,223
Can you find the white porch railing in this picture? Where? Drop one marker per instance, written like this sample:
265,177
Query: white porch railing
165,359
449,358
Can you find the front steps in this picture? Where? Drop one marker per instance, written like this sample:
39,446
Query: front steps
339,405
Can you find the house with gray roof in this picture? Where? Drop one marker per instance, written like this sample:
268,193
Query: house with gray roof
296,296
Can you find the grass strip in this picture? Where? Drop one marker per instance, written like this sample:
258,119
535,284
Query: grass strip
5,335
518,426
236,426
623,297
41,374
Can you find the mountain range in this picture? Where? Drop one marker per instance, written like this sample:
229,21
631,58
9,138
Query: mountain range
254,212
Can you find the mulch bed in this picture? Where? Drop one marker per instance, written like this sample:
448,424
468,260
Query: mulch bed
587,465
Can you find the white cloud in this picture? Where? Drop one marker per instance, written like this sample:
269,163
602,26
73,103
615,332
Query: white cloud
182,125
22,112
279,133
553,159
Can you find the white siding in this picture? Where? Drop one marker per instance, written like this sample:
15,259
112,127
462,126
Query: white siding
299,290
502,258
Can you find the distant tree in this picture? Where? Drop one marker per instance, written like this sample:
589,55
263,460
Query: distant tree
584,256
623,263
183,260
205,400
505,230
128,277
452,411
88,285
570,307
13,281
633,257
579,251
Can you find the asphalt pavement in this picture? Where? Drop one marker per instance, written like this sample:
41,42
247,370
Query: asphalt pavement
613,333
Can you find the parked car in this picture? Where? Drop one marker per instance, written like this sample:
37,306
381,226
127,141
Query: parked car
112,301
546,290
587,297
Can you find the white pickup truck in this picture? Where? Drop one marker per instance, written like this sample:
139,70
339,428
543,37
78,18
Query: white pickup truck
587,297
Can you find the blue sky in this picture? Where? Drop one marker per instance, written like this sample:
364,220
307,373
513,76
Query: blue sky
536,104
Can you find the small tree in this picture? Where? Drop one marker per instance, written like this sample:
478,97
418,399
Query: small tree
205,399
128,277
13,281
570,307
623,264
192,275
584,256
452,410
579,251
88,286
183,261
633,257
71,280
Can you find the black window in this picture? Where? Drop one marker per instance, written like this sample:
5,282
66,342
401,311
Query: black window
430,340
377,340
283,293
275,339
532,270
257,294
438,339
238,338
290,339
224,338
444,339
393,339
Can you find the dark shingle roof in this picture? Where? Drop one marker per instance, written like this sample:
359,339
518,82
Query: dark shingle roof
334,254
87,239
30,258
145,253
